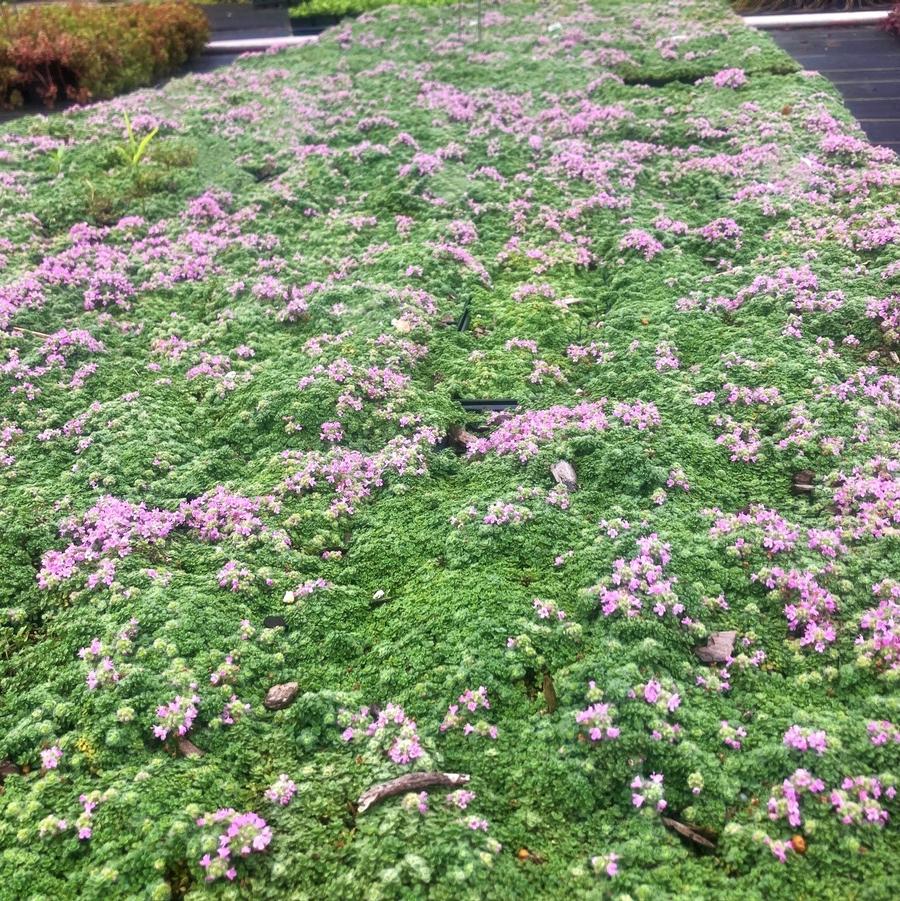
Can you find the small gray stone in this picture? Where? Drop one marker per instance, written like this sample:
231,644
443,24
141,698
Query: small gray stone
280,696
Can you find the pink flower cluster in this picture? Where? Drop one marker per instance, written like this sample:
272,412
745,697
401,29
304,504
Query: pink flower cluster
731,735
779,848
417,803
641,241
882,732
597,722
720,230
649,791
879,638
460,714
176,717
666,356
740,439
502,513
757,528
523,434
639,580
351,475
221,514
801,739
606,863
389,731
809,604
113,529
281,791
886,313
226,672
83,823
665,700
332,431
234,576
50,757
100,657
858,801
233,711
785,798
868,498
107,532
730,78
461,798
52,825
237,835
654,693
548,610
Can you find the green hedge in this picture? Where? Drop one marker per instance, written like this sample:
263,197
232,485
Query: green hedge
352,7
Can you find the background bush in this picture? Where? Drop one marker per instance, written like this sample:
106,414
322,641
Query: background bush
81,52
892,23
350,7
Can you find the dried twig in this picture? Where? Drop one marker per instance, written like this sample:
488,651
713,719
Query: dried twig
409,782
30,331
687,832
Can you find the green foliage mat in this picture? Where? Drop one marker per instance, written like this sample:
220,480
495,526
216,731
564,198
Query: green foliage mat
232,370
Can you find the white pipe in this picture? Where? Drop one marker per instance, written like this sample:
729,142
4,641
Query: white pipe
805,20
249,45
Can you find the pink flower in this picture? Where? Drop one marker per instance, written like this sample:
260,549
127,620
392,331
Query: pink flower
332,431
50,757
730,78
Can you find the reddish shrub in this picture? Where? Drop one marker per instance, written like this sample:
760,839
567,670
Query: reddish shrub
83,52
892,22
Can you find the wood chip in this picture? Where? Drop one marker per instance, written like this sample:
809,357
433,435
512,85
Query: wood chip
687,832
802,482
718,647
8,768
280,696
564,474
549,693
459,439
187,747
410,782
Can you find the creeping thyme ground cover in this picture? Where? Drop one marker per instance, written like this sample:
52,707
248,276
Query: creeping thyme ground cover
234,458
